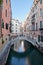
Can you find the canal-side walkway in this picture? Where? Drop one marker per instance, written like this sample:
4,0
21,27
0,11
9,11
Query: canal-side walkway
5,52
39,46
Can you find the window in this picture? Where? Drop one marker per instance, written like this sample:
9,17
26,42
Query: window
40,24
40,11
12,24
33,18
32,10
36,15
12,30
16,31
6,12
33,26
40,1
16,27
36,26
2,23
6,26
36,6
16,24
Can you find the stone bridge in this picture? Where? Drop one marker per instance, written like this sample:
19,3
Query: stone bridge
24,37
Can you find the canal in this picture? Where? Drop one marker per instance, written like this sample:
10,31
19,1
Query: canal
26,55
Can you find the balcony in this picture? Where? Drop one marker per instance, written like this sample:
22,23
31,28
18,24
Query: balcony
41,27
33,20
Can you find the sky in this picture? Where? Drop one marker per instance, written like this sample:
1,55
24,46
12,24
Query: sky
20,8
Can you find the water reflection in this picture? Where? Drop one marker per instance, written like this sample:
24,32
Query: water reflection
21,48
12,60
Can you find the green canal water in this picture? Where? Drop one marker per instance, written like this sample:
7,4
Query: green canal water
31,57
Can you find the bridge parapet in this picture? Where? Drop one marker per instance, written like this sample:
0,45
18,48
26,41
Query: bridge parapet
26,37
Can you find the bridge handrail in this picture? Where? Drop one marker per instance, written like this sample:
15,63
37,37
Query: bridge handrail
26,37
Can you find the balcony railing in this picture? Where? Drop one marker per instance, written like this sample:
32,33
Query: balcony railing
33,20
41,28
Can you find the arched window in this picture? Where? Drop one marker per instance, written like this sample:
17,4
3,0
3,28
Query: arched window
2,23
6,26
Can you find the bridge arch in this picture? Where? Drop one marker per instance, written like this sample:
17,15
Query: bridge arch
29,40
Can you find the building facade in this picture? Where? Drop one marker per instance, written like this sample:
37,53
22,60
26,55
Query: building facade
0,19
25,25
35,19
5,20
15,26
6,17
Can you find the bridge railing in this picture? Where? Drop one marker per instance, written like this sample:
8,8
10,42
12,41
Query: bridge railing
26,35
